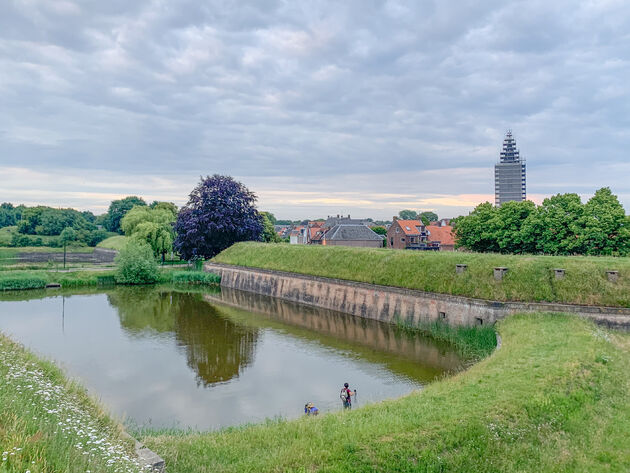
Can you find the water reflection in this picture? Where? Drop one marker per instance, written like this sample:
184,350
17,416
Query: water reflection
361,338
216,348
190,358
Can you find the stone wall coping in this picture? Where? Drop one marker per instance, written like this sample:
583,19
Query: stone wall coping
511,305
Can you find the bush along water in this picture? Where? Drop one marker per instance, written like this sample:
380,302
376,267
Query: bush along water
136,264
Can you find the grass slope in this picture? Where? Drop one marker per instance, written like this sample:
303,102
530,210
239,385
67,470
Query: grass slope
113,243
48,424
530,278
556,397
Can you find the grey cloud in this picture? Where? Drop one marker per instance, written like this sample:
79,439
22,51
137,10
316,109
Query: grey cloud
294,90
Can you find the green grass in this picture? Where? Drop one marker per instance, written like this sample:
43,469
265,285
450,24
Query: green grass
12,281
44,419
195,277
113,243
530,278
33,279
6,235
473,343
555,397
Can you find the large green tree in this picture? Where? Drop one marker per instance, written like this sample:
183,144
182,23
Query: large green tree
507,225
153,226
408,214
562,225
8,215
118,209
554,227
475,231
269,234
604,227
427,217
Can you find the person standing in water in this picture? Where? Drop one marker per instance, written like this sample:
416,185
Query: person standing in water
346,396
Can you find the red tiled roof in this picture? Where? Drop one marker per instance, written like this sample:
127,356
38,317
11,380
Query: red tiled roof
313,233
410,227
442,234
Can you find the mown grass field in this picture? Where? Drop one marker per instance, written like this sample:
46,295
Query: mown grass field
530,278
555,397
49,424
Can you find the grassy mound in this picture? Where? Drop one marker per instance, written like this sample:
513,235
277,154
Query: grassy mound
113,243
530,278
555,397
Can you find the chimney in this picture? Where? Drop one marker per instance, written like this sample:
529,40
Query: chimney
348,216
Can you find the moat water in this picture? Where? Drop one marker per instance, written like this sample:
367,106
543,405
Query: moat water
205,359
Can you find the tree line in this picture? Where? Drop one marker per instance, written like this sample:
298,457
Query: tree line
220,212
562,225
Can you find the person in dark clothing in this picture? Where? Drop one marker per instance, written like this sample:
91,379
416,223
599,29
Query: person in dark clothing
346,396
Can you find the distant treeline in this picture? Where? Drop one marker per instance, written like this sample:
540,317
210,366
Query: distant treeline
562,225
42,225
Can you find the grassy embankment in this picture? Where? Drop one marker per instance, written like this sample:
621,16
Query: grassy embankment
113,243
556,397
530,278
49,424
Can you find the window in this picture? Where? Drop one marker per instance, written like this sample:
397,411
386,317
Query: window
397,230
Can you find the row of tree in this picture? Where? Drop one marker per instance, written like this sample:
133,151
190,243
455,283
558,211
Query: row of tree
562,225
425,217
220,211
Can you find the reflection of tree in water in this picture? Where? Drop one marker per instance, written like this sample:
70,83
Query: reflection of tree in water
217,349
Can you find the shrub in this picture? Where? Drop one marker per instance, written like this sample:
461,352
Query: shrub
11,282
136,264
196,277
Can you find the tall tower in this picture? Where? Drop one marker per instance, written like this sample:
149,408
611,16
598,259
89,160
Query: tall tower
509,173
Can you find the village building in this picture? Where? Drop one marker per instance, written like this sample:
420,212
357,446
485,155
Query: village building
414,235
357,235
298,235
331,221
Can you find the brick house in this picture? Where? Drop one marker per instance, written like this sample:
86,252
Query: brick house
414,235
442,234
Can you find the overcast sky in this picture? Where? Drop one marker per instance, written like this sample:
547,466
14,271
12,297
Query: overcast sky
360,107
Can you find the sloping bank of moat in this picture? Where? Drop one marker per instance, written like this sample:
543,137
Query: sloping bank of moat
396,304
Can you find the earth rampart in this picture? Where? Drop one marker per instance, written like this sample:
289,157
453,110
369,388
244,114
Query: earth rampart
393,304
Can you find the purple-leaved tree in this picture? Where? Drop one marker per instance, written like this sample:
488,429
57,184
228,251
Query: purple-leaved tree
220,211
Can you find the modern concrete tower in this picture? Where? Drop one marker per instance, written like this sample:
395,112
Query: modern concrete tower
509,173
